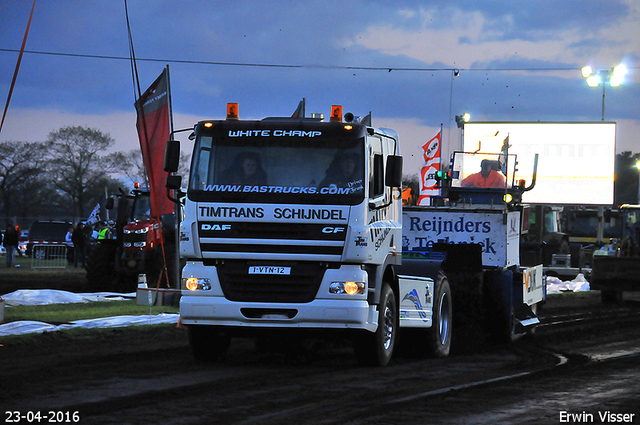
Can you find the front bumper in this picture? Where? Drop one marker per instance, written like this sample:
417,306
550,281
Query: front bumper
326,311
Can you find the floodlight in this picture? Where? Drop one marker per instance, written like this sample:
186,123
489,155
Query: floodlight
593,80
617,75
461,119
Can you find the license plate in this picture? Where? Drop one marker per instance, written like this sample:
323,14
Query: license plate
269,270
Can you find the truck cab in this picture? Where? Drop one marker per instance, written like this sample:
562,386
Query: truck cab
289,224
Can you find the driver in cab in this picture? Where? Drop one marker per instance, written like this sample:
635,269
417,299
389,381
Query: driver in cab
489,176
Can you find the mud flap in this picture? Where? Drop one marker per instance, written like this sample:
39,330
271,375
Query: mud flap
525,319
499,303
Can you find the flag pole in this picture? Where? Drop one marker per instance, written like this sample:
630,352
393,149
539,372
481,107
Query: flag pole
169,100
24,43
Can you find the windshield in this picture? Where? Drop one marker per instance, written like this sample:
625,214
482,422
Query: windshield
141,207
315,170
482,170
585,224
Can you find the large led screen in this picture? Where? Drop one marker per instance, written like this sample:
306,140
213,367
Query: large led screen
575,160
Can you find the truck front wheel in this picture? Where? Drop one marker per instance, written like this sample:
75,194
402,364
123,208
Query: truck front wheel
377,348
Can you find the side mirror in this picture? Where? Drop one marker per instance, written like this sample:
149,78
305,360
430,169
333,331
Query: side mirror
172,156
393,176
174,182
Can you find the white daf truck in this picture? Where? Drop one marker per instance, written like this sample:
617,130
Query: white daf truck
297,224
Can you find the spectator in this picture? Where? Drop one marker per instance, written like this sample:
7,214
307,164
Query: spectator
103,231
10,242
79,245
68,241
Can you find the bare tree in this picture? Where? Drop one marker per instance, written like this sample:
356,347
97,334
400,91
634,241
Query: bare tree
131,165
20,163
77,167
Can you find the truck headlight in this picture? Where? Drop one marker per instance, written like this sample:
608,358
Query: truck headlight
351,288
196,284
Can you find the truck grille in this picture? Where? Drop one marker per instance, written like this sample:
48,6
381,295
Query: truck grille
300,286
272,238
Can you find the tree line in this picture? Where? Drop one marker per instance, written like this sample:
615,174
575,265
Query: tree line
64,176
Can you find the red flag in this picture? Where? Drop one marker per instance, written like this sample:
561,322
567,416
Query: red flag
431,152
154,132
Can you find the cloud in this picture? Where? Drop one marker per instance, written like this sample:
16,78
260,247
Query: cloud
323,38
464,38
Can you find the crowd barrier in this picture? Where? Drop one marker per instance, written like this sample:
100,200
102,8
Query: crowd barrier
49,256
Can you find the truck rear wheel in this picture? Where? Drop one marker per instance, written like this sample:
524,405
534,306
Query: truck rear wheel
377,348
439,335
208,343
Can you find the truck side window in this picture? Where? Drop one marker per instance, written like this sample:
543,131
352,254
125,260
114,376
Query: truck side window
376,186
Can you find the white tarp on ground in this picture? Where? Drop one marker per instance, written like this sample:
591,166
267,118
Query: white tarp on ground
26,327
32,297
50,296
556,285
54,296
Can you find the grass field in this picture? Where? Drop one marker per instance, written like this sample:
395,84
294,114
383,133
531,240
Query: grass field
70,278
64,313
24,271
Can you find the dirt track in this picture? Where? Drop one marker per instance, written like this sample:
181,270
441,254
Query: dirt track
147,375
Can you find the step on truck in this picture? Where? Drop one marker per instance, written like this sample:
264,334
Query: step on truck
296,224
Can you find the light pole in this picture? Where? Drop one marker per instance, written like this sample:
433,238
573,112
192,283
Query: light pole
613,77
460,120
638,168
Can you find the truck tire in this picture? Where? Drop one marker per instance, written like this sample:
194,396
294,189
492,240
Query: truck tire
439,335
208,343
100,266
377,348
154,267
127,282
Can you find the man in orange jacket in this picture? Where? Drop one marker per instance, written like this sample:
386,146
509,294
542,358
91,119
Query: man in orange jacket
489,176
